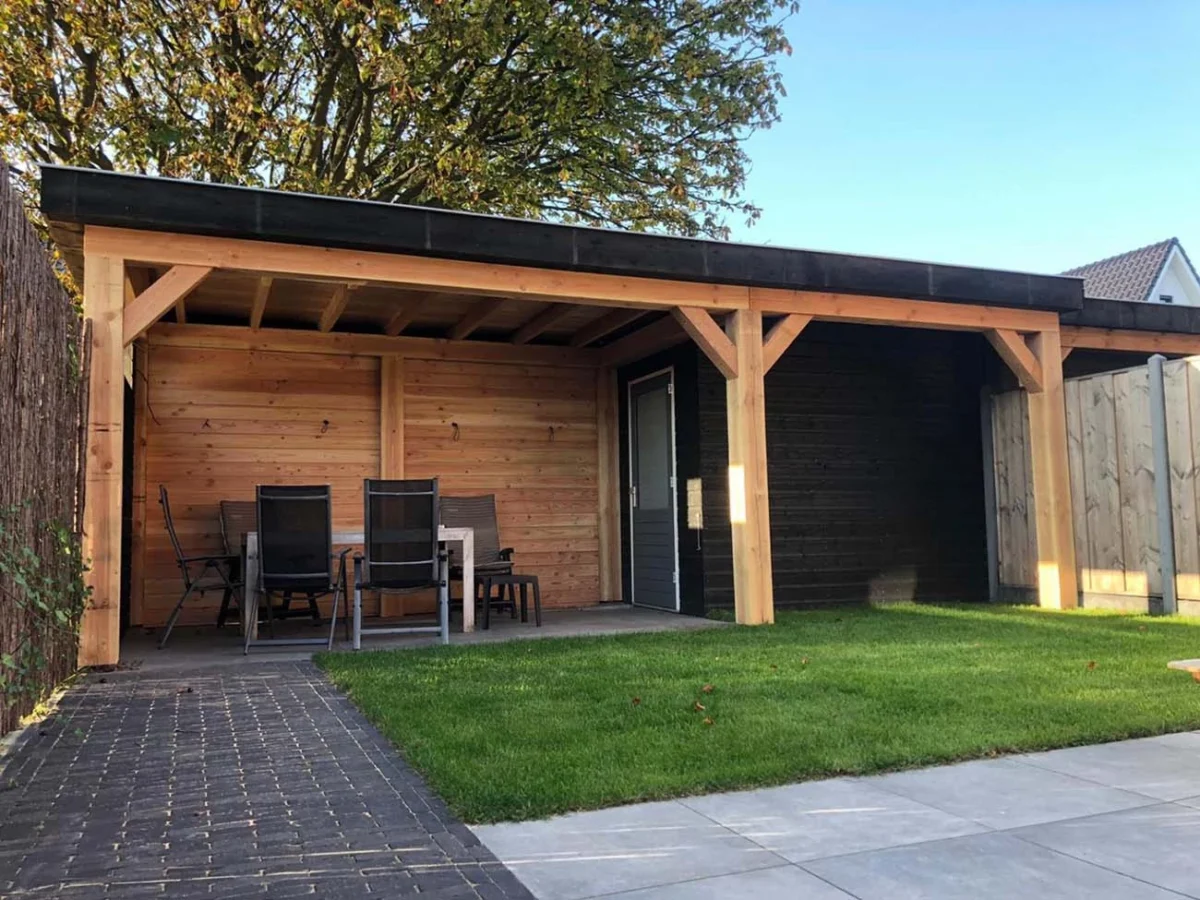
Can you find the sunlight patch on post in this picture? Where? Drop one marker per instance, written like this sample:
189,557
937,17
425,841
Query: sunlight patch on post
737,495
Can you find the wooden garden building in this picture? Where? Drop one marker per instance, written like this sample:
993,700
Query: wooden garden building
671,422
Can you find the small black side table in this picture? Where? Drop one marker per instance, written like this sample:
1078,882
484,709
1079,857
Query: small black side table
524,582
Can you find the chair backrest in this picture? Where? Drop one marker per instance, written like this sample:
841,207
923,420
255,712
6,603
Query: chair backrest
295,537
400,547
165,502
478,513
237,517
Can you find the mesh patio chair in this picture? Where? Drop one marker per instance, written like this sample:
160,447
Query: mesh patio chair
401,551
209,572
239,517
479,513
295,555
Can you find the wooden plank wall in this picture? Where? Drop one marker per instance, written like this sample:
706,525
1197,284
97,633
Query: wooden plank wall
1112,484
220,422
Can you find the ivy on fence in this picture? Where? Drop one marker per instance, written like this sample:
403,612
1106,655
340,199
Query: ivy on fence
43,399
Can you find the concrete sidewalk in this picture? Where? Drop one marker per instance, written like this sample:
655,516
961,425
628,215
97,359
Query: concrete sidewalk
1117,820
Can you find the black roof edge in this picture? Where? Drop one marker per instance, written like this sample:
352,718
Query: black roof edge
1135,316
94,197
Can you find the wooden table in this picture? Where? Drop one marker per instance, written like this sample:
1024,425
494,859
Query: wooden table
464,536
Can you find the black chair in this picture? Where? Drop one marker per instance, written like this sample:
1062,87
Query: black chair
239,517
401,551
214,572
479,514
295,555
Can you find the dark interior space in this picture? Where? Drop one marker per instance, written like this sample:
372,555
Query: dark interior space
875,468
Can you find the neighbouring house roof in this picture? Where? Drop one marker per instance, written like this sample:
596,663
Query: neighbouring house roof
1127,276
73,198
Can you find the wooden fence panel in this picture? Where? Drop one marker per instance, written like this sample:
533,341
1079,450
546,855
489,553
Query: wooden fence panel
1102,498
1135,459
1016,537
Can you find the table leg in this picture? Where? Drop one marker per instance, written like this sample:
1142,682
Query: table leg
468,583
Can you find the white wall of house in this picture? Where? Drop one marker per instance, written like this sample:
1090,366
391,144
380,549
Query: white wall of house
1178,282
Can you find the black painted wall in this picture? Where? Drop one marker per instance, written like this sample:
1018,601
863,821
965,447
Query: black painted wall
875,468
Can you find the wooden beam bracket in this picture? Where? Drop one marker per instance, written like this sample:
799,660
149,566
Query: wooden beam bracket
149,306
1017,356
703,329
780,337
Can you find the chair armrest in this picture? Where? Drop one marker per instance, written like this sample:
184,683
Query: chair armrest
506,554
213,557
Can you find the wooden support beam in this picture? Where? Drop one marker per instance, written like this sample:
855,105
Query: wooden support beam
865,310
708,337
608,438
605,325
543,321
1017,356
391,447
137,478
1081,338
429,273
1057,575
149,306
285,340
408,310
780,337
104,304
474,318
1066,351
262,291
657,336
391,416
334,308
749,513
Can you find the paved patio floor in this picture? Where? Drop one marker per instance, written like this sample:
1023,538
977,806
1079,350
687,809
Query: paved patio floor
260,781
198,646
1119,821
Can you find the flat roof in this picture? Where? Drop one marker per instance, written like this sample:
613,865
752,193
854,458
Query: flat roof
78,197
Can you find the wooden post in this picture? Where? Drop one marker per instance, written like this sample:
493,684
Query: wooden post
1057,575
749,515
391,445
103,303
137,542
608,441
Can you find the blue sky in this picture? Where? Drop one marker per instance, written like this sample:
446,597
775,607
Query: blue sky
1033,135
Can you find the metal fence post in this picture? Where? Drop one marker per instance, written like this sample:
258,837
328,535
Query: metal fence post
1162,482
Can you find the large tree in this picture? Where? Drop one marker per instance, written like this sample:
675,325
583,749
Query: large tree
612,112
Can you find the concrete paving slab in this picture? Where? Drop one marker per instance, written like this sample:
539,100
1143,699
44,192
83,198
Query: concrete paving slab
1159,844
994,866
623,849
1003,793
1158,768
780,883
824,818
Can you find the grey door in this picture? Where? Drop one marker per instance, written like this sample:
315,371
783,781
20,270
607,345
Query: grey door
652,491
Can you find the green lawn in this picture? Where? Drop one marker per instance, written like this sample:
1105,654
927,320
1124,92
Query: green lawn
529,728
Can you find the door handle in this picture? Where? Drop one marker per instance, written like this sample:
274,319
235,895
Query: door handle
633,496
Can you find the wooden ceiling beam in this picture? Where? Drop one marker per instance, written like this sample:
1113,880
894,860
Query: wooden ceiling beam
418,272
781,336
149,306
935,314
408,309
262,290
1083,338
605,325
474,318
703,329
543,321
656,336
1017,356
334,308
288,340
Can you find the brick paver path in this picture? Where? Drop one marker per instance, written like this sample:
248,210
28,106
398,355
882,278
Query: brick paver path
260,782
